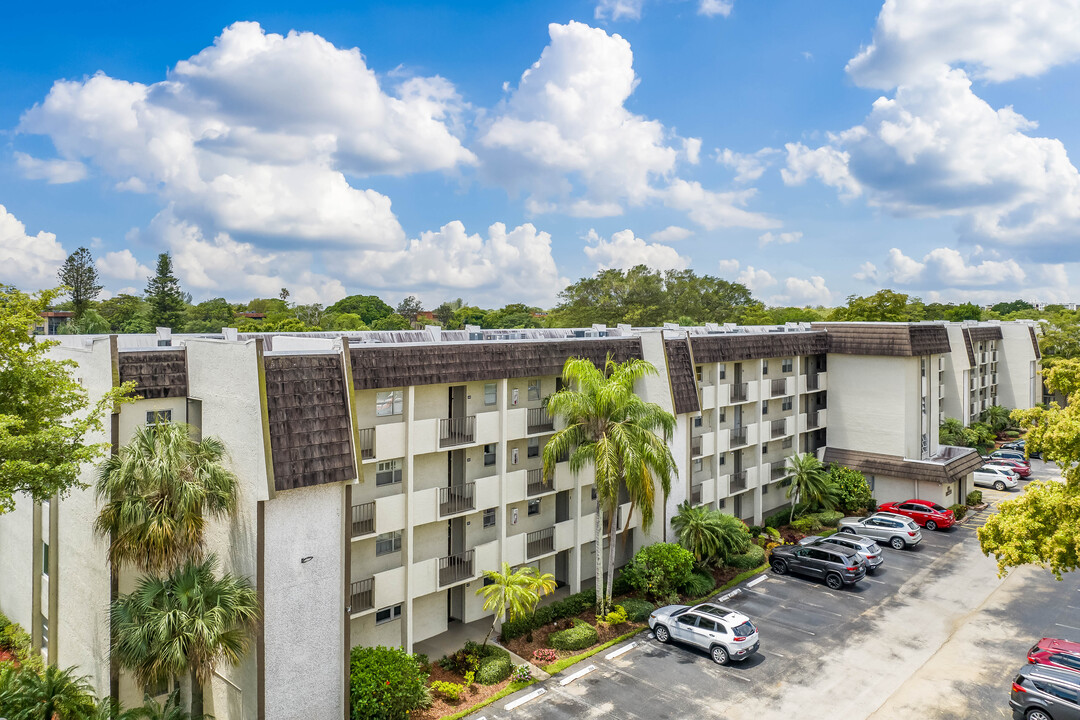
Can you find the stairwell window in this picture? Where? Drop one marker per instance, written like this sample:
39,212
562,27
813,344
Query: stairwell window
534,447
785,404
489,517
491,393
534,507
389,402
45,559
158,416
764,367
534,390
765,408
388,614
722,372
388,543
388,472
489,455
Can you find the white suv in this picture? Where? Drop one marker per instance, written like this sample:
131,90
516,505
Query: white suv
996,477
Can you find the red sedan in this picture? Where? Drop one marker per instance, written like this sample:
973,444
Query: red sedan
1056,653
1019,467
925,513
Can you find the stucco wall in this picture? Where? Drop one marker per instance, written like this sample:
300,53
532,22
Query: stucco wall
869,401
1015,356
429,615
16,562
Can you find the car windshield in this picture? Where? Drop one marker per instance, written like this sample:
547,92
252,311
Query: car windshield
747,628
937,507
679,612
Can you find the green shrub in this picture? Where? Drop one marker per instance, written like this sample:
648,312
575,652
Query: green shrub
617,616
754,557
830,518
637,610
699,584
450,691
622,585
777,519
567,607
4,621
974,497
772,533
805,524
579,637
493,670
754,530
386,684
1012,434
852,489
660,569
959,511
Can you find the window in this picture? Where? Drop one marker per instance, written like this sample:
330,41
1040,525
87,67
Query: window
723,459
534,447
158,416
706,624
489,454
922,364
765,408
698,464
491,393
161,687
388,543
785,404
44,633
388,614
786,443
534,507
723,415
764,448
870,481
764,367
785,365
698,372
721,504
388,472
45,559
489,517
593,492
389,402
764,489
534,389
723,371
698,421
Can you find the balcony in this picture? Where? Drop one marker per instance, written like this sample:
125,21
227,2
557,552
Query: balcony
812,382
367,443
539,421
457,498
993,379
457,431
695,494
779,428
695,447
738,436
940,391
738,481
535,483
813,421
362,595
363,519
993,356
455,568
540,542
740,392
779,387
778,471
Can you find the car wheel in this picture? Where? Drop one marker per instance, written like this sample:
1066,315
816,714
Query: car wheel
720,655
779,566
850,531
1037,714
897,543
834,581
999,486
931,525
661,633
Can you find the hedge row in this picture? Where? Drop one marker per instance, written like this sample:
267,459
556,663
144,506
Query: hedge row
569,607
579,637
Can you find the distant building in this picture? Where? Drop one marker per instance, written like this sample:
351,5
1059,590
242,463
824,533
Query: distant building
51,321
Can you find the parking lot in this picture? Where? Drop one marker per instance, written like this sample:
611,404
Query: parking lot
934,633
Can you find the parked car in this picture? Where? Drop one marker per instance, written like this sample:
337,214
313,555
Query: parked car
837,566
1063,654
1040,692
864,547
925,513
996,477
1019,467
1020,445
900,532
1007,455
726,635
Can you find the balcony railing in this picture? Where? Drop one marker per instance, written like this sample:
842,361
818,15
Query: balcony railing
535,484
812,381
540,542
363,519
738,481
457,498
367,443
738,436
457,431
362,595
812,420
777,472
695,494
538,420
695,447
454,568
779,387
740,392
993,379
779,428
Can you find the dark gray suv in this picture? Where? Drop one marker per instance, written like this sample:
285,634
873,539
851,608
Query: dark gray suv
838,566
1040,692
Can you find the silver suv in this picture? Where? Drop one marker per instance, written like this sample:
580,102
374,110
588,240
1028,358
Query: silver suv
1045,693
727,635
897,530
865,547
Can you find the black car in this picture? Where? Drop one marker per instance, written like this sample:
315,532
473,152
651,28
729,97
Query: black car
1040,692
1019,445
838,566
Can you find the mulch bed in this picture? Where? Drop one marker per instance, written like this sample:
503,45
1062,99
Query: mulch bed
6,656
521,647
470,696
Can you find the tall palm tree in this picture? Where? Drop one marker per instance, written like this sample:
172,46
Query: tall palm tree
809,483
185,624
951,432
513,593
710,534
997,417
54,694
157,493
606,425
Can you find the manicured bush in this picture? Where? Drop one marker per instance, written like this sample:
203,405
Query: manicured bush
755,530
1012,434
450,691
386,684
637,610
699,584
660,569
853,490
621,586
806,524
777,519
974,497
830,518
579,637
959,511
754,557
617,616
493,670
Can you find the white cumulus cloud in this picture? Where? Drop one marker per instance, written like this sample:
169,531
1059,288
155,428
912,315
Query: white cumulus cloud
55,172
29,262
715,7
948,268
801,292
623,250
784,238
712,209
122,265
672,233
755,279
728,267
747,166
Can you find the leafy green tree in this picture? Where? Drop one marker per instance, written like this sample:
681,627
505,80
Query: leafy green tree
978,435
45,414
172,709
157,493
444,313
409,307
710,535
606,425
852,491
209,316
80,277
515,315
964,311
1042,525
882,306
89,323
467,315
164,295
391,322
345,321
126,314
1061,339
513,593
386,684
809,483
1004,308
369,307
267,305
951,432
186,624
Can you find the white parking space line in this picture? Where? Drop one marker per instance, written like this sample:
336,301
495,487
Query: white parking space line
1071,627
870,579
773,652
821,609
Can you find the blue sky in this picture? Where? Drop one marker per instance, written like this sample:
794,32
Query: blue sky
496,151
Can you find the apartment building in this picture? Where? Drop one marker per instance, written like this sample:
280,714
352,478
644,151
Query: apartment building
993,364
382,473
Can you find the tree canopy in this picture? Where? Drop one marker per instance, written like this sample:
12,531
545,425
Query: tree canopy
369,307
80,277
165,296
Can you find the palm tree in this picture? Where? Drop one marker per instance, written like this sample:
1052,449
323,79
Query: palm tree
513,593
951,432
698,530
173,709
185,624
809,483
54,694
157,493
606,425
997,417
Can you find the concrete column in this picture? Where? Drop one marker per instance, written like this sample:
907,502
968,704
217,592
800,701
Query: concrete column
409,403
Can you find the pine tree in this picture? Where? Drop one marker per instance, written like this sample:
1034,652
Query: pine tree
81,278
164,295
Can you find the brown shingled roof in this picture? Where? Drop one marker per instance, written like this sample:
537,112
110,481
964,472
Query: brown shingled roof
682,376
953,464
157,373
895,339
735,347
